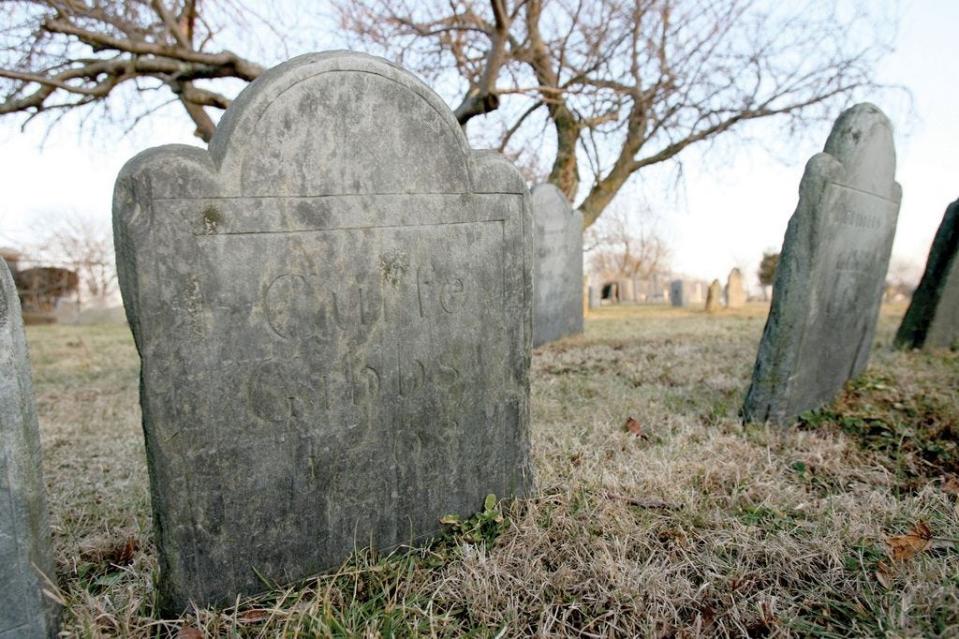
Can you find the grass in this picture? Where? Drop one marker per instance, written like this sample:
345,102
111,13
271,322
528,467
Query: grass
696,526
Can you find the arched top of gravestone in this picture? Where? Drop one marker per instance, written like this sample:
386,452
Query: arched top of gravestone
861,139
551,209
345,123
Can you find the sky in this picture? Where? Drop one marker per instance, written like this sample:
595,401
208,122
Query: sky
729,207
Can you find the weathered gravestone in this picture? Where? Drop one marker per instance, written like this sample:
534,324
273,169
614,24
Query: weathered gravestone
714,297
932,320
26,556
735,292
594,299
558,275
627,290
829,281
685,293
333,312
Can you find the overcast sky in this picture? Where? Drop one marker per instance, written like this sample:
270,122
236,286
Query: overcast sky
731,205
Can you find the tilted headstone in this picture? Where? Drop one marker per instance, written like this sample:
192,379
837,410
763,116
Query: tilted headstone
829,281
333,312
735,292
932,319
26,554
714,297
558,274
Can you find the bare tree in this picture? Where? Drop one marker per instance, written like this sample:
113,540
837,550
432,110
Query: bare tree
623,84
63,55
619,248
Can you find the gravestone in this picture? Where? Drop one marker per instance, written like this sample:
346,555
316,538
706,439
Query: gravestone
332,309
627,290
735,293
829,281
26,555
685,293
714,297
594,299
932,319
558,274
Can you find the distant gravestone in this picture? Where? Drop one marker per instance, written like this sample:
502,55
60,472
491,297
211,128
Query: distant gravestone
714,297
685,293
932,320
333,312
735,292
627,290
26,555
594,299
558,275
829,281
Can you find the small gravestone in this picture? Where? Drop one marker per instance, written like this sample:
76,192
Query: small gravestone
932,320
332,309
627,290
714,297
829,281
685,293
558,275
735,292
594,299
26,555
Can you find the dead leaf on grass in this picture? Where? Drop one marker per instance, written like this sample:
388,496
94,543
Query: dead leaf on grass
951,485
905,547
885,574
253,616
633,426
189,632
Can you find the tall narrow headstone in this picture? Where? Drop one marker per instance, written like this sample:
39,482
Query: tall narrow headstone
735,292
627,290
26,555
558,274
829,281
332,309
932,319
714,297
594,299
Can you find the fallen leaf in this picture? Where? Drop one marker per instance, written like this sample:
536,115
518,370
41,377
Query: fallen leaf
884,574
253,616
189,632
904,547
951,485
633,426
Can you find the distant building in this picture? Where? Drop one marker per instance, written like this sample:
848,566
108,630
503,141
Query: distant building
44,289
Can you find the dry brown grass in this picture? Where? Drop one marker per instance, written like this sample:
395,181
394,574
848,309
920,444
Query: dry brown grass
699,526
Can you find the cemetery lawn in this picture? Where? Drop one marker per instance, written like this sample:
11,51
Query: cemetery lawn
687,524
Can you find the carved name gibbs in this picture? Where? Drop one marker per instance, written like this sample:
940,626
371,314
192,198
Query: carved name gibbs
333,317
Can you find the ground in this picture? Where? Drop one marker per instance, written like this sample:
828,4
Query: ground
686,523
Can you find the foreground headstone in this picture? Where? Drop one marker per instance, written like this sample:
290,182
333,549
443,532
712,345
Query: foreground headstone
333,312
932,320
26,555
735,292
714,297
558,276
829,281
